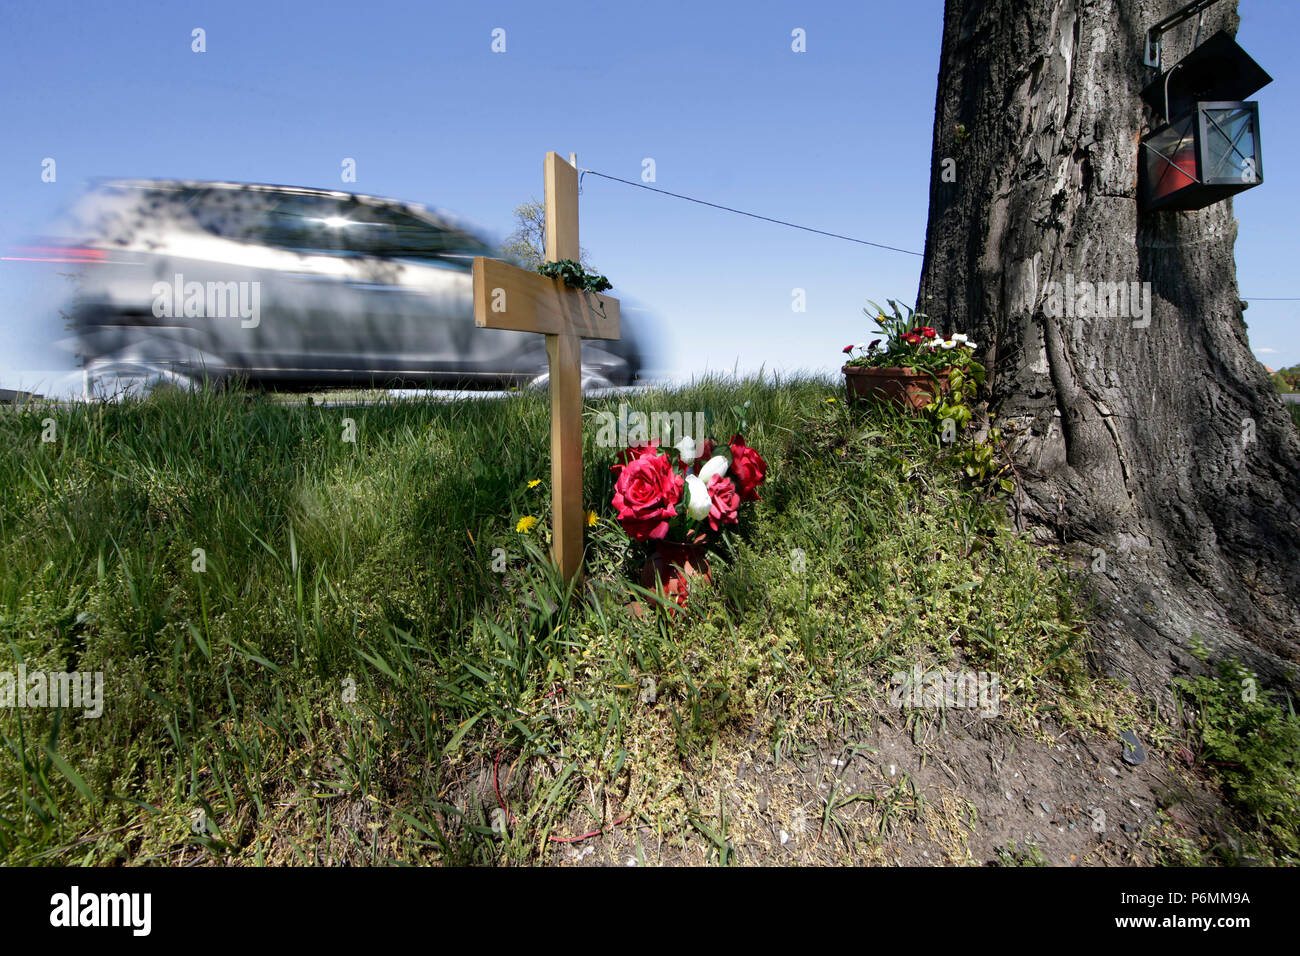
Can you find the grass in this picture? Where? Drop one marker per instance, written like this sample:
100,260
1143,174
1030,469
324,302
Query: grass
318,650
1252,744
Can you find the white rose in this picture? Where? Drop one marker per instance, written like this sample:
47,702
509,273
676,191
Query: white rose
698,502
717,465
687,450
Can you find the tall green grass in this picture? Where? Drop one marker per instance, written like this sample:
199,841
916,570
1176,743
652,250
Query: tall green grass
359,674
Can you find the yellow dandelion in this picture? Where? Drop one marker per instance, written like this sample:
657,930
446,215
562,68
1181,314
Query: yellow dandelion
591,519
534,483
830,400
526,524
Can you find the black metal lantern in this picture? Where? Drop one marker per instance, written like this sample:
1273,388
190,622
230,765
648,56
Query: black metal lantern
1209,147
1202,157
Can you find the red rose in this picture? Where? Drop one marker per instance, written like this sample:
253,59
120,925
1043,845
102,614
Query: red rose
748,468
628,455
646,495
928,332
725,502
911,338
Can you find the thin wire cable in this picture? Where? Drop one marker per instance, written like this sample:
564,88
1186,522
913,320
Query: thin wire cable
741,212
820,232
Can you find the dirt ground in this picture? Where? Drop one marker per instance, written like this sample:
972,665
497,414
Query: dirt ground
955,794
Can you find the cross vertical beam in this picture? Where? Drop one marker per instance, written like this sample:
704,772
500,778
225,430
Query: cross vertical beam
564,355
561,209
506,297
568,516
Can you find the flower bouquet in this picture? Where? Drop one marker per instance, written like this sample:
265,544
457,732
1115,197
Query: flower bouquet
678,500
911,364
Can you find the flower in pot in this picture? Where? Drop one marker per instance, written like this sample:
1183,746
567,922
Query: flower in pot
910,364
677,502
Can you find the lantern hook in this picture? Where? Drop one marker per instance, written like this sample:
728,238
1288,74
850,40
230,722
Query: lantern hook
1151,56
1168,76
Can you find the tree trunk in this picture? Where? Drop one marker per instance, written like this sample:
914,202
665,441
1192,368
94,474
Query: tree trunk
1159,454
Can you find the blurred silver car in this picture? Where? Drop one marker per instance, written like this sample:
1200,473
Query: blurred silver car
293,288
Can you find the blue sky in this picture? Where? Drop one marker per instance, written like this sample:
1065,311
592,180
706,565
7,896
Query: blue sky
837,138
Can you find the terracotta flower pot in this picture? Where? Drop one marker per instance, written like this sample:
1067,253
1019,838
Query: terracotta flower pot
905,387
671,566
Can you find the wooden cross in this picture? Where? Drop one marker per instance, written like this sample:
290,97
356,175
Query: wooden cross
506,297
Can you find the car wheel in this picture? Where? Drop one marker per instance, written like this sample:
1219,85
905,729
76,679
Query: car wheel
592,380
119,380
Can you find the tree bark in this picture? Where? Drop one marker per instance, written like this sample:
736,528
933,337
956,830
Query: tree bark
1160,455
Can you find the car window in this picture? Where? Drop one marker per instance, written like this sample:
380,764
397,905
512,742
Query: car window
342,226
324,225
307,224
393,234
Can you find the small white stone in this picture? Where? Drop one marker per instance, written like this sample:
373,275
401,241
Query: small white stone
785,838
